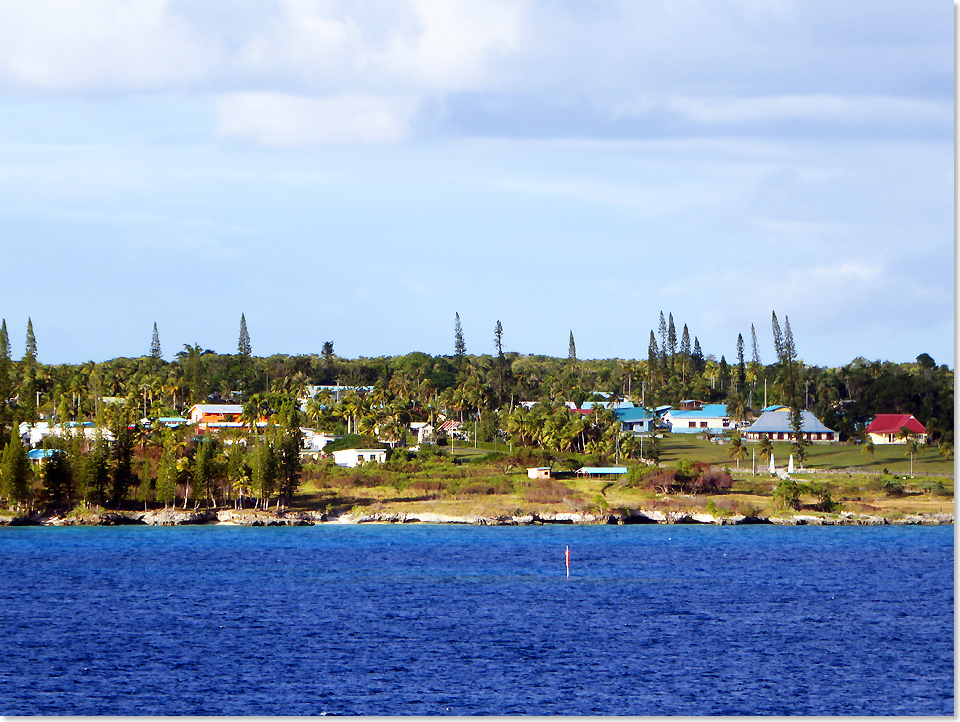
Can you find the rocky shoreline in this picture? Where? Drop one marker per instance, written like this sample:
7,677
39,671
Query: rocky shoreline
246,517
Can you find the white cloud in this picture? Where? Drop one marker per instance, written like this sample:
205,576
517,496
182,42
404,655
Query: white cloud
98,45
812,107
277,119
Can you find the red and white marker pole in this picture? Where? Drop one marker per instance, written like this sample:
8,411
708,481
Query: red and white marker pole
567,555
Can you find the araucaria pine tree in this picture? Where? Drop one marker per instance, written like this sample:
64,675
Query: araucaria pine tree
243,346
155,344
741,364
28,372
572,351
6,386
15,472
459,347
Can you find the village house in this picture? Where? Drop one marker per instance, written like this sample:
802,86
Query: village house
775,424
697,418
423,430
215,413
886,429
355,457
635,419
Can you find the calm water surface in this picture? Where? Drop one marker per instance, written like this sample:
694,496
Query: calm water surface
430,620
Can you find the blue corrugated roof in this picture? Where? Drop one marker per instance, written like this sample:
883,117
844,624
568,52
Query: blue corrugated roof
602,470
709,411
637,413
778,422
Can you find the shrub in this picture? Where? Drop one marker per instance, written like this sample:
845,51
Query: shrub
637,474
787,494
717,510
933,486
892,487
711,480
822,492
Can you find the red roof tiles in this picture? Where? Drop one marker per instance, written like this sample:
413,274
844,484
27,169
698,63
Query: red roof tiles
892,423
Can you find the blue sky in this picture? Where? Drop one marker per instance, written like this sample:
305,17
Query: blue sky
359,172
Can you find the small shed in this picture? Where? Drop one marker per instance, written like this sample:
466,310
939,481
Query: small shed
539,472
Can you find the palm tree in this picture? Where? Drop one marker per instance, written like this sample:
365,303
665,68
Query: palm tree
766,447
736,408
913,449
737,449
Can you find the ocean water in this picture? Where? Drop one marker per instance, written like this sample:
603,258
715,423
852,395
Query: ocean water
436,620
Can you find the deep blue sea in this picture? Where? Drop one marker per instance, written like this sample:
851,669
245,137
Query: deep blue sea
436,620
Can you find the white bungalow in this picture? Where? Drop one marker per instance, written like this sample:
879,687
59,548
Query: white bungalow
355,457
697,418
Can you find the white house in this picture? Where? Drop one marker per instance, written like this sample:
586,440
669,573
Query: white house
354,457
315,440
698,417
423,429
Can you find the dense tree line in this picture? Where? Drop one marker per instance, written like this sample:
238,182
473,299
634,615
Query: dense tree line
144,462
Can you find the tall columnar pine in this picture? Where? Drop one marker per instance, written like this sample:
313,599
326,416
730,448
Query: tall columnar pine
672,342
459,347
244,351
30,353
15,473
95,471
6,383
653,361
498,339
263,470
155,353
58,479
777,337
203,471
756,348
663,346
243,345
698,363
28,372
123,476
684,354
288,457
572,349
794,383
167,471
741,364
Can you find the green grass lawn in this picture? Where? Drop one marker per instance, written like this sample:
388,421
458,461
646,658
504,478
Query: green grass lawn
674,447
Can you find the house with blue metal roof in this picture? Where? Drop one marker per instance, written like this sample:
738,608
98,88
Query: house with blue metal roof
635,419
776,426
38,456
709,417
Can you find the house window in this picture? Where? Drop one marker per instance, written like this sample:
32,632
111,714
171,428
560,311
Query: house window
691,424
703,424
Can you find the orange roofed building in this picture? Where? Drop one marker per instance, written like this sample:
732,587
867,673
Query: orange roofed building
215,413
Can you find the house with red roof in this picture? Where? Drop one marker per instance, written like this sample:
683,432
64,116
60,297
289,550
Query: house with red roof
885,429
